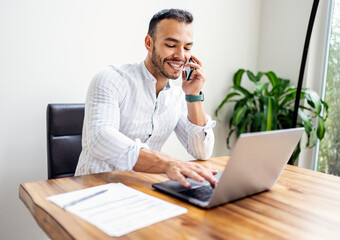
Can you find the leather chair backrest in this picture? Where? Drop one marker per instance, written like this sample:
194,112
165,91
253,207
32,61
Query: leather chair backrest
64,131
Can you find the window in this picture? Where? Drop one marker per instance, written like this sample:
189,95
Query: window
329,152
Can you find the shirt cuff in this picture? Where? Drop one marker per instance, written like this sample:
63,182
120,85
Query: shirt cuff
193,129
133,154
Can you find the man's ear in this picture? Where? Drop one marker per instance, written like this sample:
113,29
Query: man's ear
148,43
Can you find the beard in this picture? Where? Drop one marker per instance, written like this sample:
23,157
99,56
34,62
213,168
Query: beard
159,64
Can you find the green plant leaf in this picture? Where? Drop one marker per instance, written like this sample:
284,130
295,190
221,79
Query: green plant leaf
251,105
321,128
243,90
259,76
257,121
262,101
251,76
314,100
225,100
270,116
229,136
240,103
325,107
284,84
289,89
238,115
259,87
284,81
231,122
243,126
295,154
288,98
306,108
238,77
284,118
307,123
272,78
314,137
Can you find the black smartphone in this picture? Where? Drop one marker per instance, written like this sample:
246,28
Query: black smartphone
188,71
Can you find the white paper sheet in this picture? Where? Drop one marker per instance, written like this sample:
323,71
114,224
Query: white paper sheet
117,211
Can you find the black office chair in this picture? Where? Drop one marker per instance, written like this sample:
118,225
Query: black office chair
64,130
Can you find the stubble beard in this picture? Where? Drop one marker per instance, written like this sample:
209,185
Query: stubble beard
159,66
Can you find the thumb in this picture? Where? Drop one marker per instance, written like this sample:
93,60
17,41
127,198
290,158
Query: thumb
184,73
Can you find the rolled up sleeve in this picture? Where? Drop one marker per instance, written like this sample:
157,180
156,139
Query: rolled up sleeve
199,141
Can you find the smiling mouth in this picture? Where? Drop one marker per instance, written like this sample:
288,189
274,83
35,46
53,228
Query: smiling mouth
178,66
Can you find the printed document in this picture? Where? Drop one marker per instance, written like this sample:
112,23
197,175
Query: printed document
116,209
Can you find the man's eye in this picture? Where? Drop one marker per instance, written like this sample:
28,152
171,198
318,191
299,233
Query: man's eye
170,46
187,49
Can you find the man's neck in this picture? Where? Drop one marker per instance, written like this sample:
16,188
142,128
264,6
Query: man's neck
160,85
161,80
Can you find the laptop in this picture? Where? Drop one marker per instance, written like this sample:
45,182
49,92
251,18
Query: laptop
254,166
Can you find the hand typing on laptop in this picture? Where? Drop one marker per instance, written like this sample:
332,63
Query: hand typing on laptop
156,162
254,166
178,171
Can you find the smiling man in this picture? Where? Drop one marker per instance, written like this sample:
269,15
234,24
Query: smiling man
132,109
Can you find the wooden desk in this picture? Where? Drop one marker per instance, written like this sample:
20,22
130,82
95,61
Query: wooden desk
303,205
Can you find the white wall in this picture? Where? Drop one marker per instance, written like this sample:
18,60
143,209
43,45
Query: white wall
49,51
283,31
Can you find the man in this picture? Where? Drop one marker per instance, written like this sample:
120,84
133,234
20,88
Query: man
132,109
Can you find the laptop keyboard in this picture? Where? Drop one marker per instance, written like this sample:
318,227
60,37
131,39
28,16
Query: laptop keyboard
202,193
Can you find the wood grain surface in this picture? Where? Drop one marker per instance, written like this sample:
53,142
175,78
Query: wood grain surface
302,205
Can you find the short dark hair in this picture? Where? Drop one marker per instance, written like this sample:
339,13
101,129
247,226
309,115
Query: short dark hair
176,14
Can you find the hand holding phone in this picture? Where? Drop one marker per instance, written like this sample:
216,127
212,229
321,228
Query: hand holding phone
193,76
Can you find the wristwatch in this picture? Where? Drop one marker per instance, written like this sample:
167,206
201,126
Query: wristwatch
195,98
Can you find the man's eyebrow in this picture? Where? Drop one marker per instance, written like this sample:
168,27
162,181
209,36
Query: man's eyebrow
176,41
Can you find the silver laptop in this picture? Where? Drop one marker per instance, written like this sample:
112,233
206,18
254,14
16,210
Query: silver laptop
255,165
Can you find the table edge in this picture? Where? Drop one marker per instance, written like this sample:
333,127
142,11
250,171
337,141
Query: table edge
33,207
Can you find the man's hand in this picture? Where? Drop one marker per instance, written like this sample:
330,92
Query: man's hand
194,86
179,170
151,161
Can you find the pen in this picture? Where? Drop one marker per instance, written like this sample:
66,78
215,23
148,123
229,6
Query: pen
84,198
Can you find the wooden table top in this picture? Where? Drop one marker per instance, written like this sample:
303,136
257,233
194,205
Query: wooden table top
302,205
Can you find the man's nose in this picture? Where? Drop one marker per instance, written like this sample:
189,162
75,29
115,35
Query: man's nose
180,54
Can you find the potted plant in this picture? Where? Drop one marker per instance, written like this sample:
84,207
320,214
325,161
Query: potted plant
270,106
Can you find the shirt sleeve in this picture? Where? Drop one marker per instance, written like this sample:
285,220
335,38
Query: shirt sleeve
109,148
199,141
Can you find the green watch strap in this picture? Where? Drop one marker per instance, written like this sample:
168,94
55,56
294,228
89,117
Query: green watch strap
194,98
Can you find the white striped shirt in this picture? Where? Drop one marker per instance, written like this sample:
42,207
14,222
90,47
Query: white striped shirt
123,115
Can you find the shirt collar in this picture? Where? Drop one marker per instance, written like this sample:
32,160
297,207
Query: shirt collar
147,75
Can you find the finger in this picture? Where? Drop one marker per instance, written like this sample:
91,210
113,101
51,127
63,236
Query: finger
193,175
196,60
204,172
208,175
183,75
198,72
182,180
192,64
